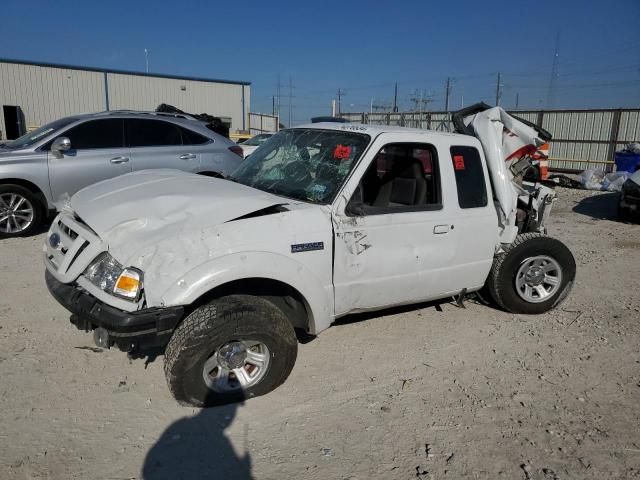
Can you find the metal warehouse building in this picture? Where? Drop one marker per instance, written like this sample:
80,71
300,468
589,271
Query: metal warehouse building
32,94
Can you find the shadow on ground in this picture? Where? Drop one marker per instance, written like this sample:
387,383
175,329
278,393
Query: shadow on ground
195,448
473,297
600,207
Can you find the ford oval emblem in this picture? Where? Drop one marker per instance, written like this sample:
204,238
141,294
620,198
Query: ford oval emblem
54,240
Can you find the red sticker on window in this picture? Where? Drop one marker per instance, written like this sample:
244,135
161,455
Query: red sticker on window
342,152
458,162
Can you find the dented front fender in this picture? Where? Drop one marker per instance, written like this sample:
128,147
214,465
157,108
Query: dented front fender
245,265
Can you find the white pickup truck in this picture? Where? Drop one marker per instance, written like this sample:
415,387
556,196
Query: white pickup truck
320,221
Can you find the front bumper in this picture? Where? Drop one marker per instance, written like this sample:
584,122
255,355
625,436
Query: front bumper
128,330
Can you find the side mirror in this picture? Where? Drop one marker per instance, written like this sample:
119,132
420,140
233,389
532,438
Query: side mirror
355,207
59,145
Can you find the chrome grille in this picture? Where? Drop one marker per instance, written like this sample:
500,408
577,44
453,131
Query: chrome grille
69,248
70,233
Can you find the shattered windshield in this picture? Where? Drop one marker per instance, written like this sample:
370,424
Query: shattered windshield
303,164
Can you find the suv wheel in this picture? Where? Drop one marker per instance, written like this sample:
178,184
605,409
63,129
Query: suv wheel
533,275
233,348
20,211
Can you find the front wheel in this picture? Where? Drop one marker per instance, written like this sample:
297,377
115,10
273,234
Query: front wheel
533,275
235,347
21,212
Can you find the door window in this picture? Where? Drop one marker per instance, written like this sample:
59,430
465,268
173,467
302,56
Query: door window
467,165
402,177
152,133
189,137
103,133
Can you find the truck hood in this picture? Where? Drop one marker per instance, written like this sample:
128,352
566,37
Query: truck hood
136,207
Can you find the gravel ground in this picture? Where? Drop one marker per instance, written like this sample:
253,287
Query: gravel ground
411,393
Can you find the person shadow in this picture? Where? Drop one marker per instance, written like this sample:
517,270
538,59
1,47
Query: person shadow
195,448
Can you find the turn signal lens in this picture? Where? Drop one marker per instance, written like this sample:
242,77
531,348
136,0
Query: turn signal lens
128,284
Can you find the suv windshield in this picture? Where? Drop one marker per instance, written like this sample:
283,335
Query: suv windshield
30,138
303,164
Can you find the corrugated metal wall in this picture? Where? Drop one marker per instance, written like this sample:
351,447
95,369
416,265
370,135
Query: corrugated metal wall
46,93
261,122
581,138
146,93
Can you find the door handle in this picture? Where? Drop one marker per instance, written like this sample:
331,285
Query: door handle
118,160
440,229
187,156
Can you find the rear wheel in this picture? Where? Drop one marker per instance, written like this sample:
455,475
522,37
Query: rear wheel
233,348
533,275
624,213
20,211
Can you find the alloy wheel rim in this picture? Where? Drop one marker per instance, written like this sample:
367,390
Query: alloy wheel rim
16,213
236,366
538,278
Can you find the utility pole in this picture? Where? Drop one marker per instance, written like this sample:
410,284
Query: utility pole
290,100
517,100
278,96
447,93
146,59
395,98
421,101
340,93
498,90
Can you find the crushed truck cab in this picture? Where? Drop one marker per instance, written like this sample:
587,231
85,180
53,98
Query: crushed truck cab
319,222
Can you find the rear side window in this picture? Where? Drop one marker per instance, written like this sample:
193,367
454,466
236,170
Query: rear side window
192,138
467,165
104,133
152,133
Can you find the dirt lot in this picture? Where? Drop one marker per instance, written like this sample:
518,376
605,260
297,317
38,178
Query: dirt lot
424,393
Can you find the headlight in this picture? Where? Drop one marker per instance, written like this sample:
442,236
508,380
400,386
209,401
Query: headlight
108,275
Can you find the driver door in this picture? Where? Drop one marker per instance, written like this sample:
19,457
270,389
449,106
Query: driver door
400,237
97,153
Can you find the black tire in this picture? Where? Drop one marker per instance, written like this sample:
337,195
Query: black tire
501,282
624,213
38,210
227,319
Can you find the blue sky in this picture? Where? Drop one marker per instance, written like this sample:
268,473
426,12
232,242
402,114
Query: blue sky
361,47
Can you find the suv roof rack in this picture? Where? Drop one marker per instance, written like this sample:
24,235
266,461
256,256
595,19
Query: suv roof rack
142,112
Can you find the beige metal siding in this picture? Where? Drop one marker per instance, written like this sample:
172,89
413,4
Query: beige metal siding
629,131
260,123
134,92
45,94
579,136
